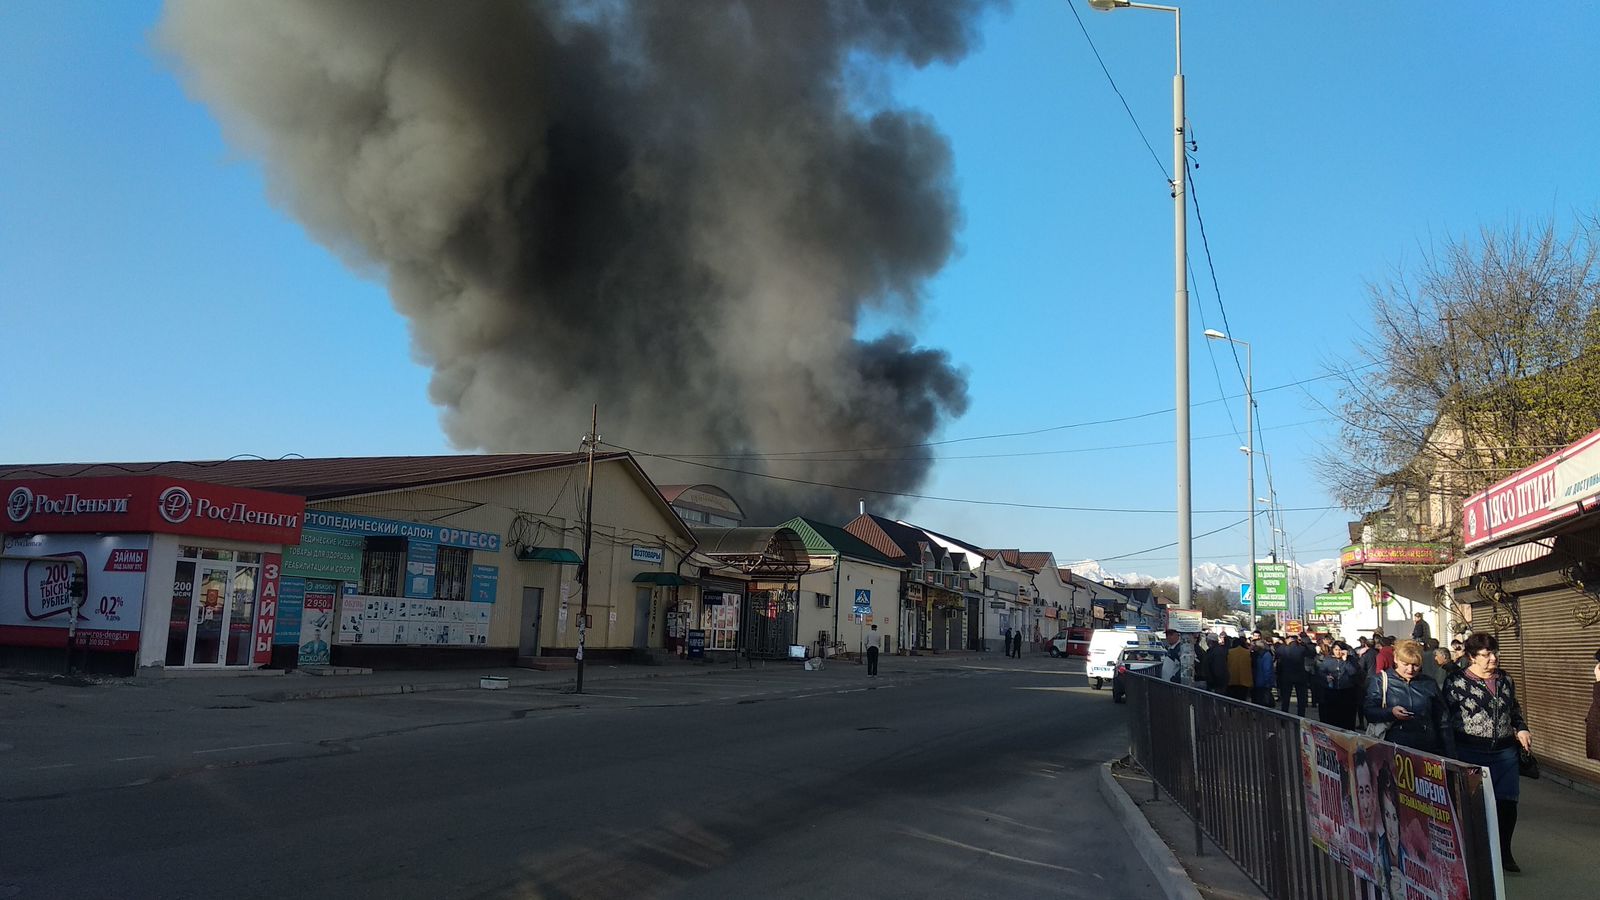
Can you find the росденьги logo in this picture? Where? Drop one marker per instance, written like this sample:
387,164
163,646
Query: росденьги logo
20,504
175,505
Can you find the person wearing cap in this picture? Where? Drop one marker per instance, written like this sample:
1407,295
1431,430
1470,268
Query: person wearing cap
1172,658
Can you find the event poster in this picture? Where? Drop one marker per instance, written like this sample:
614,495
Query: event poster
1385,813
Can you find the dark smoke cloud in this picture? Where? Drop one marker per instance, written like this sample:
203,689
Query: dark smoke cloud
678,210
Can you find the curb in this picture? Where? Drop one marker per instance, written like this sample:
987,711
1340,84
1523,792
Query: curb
1175,882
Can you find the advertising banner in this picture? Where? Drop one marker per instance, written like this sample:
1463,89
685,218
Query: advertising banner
1185,621
35,601
315,627
1385,813
485,583
147,503
291,605
1272,587
330,555
267,607
1532,498
422,566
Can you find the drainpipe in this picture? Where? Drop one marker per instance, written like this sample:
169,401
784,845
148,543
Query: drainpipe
838,563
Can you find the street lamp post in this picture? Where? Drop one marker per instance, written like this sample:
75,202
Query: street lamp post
1249,447
1180,300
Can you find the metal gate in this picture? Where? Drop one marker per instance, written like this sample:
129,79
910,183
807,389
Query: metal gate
769,623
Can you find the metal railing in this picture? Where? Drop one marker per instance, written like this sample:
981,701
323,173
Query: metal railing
1235,769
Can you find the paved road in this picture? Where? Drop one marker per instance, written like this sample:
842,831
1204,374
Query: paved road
950,781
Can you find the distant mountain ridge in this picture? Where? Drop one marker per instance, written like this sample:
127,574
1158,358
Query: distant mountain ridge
1314,576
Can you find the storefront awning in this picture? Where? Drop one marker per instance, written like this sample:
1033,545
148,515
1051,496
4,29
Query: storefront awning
664,579
1494,560
558,555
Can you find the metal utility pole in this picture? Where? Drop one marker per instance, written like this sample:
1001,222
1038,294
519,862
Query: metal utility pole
589,441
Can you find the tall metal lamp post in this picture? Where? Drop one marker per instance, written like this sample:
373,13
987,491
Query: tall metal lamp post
1249,447
1180,301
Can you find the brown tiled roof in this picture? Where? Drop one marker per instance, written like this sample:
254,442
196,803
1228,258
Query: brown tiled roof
320,479
1035,561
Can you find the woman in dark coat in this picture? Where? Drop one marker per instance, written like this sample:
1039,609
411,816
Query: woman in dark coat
1488,727
1410,702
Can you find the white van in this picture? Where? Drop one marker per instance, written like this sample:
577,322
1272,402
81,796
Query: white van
1105,644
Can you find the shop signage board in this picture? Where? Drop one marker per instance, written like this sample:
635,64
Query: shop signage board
1384,813
697,643
1530,499
1577,475
1394,555
1335,602
647,554
374,527
34,598
146,503
328,555
485,583
1272,587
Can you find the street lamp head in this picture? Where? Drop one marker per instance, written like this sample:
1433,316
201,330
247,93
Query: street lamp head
1245,450
1215,335
1263,500
1107,5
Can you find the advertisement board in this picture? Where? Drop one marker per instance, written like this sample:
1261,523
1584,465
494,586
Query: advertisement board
316,625
1335,602
1532,498
1385,813
485,584
422,567
34,600
1272,587
330,555
411,621
1185,621
323,520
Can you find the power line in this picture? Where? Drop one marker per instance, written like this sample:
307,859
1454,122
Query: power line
1169,544
1113,82
914,496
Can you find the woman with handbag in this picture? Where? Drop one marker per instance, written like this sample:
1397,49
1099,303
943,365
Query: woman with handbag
1490,730
1404,707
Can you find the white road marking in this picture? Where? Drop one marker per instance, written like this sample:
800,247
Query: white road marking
245,747
56,766
985,851
131,758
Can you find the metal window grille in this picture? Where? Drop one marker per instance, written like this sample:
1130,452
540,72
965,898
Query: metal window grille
382,572
454,566
824,600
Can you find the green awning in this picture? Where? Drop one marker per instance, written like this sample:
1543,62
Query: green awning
664,579
558,555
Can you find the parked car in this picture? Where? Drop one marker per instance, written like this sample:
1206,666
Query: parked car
1071,642
1133,659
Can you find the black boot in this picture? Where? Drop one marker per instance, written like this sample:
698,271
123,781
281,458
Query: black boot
1508,826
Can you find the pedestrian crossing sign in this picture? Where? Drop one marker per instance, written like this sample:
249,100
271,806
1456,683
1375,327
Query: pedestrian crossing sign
1244,593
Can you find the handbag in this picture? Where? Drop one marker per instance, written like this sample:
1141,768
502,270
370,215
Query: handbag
1527,763
1380,730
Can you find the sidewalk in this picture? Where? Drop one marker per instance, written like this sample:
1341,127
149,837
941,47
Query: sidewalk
1558,831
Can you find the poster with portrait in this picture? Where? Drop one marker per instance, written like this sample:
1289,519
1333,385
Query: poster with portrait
1386,813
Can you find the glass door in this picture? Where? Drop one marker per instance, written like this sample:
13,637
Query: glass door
241,616
211,596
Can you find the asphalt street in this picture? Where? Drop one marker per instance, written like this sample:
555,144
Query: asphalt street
950,780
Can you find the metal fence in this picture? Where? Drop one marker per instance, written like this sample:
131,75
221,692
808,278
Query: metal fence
1235,769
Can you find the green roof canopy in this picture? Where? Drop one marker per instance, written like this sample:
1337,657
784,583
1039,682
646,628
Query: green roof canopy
665,579
558,555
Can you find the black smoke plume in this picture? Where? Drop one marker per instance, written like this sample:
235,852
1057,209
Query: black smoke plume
677,209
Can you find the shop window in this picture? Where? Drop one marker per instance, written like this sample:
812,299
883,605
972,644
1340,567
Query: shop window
383,567
208,553
453,569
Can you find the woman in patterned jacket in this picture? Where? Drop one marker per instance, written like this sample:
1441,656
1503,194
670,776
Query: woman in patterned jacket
1489,726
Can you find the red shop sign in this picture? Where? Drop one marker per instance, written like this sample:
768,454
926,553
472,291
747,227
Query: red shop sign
1519,503
148,503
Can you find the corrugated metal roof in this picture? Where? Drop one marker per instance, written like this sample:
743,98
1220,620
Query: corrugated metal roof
1494,560
319,479
822,536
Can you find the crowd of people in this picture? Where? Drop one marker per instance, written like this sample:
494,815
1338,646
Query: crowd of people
1450,701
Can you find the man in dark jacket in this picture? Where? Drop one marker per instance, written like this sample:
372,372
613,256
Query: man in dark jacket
1292,675
1214,665
1419,629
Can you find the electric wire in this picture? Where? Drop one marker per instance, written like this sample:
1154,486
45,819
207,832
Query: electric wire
1118,91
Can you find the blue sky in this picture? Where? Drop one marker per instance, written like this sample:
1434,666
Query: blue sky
157,305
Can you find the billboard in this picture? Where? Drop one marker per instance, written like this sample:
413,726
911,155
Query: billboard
1272,587
34,603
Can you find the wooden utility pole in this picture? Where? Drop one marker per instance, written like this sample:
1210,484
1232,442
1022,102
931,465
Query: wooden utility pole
589,440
